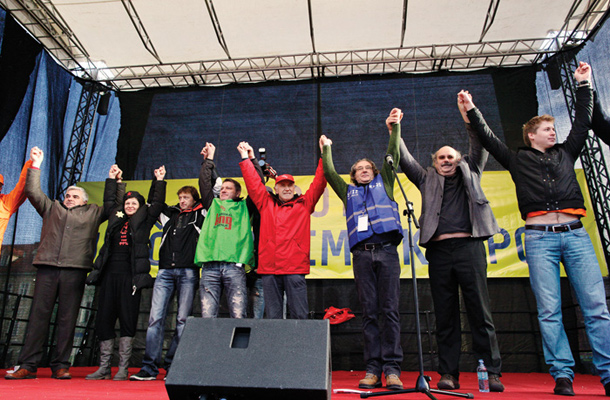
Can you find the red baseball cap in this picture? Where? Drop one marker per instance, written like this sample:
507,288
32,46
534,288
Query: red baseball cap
284,177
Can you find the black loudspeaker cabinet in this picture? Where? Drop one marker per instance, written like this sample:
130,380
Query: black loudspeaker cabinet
251,359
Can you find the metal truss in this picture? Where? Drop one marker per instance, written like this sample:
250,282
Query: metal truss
416,59
592,157
139,26
79,140
575,25
42,19
45,23
490,17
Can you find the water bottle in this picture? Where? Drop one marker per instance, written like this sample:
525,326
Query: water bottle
483,377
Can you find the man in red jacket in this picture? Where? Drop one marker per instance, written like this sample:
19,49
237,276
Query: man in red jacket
9,203
284,243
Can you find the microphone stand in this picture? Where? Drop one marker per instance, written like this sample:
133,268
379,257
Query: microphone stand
421,385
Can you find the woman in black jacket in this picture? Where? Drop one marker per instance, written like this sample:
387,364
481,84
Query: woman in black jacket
122,269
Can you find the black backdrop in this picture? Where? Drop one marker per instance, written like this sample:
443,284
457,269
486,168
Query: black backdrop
171,126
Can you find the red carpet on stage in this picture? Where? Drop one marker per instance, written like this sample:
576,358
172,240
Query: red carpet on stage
518,387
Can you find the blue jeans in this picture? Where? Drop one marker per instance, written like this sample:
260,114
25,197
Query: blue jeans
256,299
184,282
217,275
377,276
544,251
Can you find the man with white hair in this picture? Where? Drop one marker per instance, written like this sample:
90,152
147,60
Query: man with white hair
64,257
456,219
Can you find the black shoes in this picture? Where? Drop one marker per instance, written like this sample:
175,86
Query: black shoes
563,387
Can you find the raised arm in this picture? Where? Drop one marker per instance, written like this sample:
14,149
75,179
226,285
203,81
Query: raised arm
393,124
583,111
207,175
254,161
39,200
482,132
411,168
334,180
114,189
256,188
158,201
316,189
477,155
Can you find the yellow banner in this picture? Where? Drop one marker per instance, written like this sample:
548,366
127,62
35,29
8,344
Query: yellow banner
330,256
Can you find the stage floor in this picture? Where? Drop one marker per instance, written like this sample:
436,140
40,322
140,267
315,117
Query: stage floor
518,387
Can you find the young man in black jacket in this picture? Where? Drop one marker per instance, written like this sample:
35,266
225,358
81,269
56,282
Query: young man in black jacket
177,272
551,203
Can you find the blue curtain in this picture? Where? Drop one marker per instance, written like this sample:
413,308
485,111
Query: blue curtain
39,122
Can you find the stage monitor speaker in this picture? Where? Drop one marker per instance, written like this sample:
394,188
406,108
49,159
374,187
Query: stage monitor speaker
251,359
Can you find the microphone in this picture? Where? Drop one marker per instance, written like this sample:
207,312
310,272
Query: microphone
389,160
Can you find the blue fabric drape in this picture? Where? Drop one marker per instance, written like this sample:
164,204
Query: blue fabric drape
39,122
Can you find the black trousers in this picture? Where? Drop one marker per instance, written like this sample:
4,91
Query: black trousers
461,263
377,277
66,285
117,301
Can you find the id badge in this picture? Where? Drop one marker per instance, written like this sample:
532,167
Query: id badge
363,223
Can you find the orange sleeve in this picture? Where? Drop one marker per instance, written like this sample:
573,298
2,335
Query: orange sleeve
16,197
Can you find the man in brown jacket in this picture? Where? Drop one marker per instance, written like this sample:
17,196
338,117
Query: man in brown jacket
64,257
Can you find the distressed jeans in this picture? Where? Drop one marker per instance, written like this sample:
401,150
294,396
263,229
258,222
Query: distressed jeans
184,282
544,251
216,276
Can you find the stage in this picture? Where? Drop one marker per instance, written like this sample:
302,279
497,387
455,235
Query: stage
518,387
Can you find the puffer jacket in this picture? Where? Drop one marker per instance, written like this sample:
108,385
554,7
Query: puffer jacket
285,227
69,235
140,225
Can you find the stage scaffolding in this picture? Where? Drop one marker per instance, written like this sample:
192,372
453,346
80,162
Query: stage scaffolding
592,156
79,139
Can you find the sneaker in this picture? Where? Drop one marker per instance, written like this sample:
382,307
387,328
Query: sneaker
393,382
370,381
61,373
563,387
21,373
494,383
142,376
448,382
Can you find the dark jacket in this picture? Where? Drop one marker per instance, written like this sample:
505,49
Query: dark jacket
181,228
69,235
140,225
431,186
544,181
